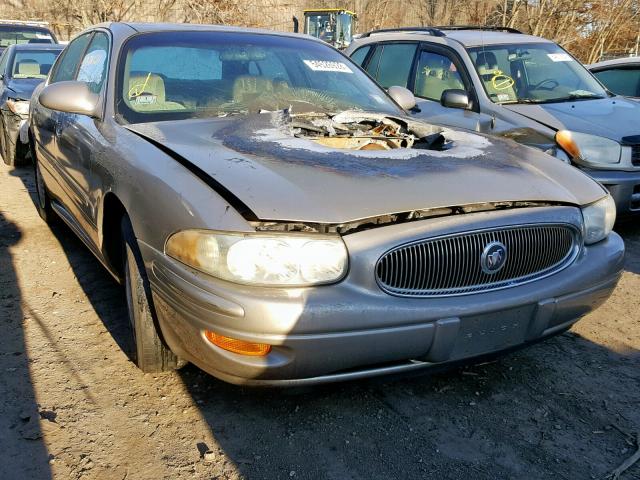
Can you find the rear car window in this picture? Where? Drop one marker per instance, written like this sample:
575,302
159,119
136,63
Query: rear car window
18,34
33,64
621,81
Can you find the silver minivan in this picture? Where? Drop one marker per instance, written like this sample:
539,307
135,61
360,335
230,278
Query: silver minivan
500,81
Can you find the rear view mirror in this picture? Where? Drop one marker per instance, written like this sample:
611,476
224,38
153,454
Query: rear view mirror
70,97
402,97
455,98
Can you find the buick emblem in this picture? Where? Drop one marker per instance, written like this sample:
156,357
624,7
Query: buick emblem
494,257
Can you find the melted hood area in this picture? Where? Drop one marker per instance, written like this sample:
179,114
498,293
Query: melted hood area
278,167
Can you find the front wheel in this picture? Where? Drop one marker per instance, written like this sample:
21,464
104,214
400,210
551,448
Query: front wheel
43,201
150,353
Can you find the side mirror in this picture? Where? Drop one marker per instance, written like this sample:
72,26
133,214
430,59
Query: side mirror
455,98
402,97
70,97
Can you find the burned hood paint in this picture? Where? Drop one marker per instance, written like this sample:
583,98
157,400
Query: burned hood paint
281,177
612,118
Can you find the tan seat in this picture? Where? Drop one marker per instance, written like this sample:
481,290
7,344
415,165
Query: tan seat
29,68
147,94
487,65
248,87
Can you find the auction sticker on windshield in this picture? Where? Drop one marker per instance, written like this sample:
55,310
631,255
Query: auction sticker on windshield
325,66
560,57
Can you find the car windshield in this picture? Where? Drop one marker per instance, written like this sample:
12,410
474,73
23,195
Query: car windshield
174,75
33,63
533,73
18,34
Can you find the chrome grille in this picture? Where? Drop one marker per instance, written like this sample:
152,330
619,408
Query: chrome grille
450,265
635,155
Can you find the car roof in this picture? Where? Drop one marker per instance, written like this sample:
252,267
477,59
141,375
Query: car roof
143,27
474,38
468,37
615,62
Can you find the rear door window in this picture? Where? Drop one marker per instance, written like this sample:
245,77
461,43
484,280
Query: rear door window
372,66
621,81
395,64
360,54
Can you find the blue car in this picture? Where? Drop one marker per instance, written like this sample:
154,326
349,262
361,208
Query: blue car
22,68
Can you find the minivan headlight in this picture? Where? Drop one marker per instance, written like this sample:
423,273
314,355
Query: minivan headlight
589,149
267,259
599,218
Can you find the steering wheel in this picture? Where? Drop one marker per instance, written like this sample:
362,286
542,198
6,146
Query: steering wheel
548,80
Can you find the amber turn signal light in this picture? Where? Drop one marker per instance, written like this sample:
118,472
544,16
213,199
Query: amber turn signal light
237,346
568,144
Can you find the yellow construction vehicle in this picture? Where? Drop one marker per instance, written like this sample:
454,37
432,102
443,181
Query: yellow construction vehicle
335,26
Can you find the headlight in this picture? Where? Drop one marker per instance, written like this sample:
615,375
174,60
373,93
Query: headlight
269,259
599,218
589,149
19,107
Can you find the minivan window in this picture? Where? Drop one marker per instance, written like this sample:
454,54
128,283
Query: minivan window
533,73
207,74
621,81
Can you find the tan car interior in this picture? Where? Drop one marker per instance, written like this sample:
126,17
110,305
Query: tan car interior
28,68
435,75
147,93
487,66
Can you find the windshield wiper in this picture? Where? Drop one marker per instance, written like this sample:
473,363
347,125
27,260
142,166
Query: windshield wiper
568,98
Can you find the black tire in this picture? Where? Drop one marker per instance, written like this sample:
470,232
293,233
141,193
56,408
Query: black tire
13,154
150,353
43,201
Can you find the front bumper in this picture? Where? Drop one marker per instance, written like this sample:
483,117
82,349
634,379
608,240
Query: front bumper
354,330
624,188
12,124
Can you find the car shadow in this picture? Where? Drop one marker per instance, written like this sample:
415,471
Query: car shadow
24,454
566,408
630,232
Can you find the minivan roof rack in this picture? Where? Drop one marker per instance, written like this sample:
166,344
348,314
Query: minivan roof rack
436,32
478,27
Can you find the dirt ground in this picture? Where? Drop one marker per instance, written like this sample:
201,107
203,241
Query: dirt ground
72,405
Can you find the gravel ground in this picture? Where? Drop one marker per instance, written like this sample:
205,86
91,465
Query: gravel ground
74,406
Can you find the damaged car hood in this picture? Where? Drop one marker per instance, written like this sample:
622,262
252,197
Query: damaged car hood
281,174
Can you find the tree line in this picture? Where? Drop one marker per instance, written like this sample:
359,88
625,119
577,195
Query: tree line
589,30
